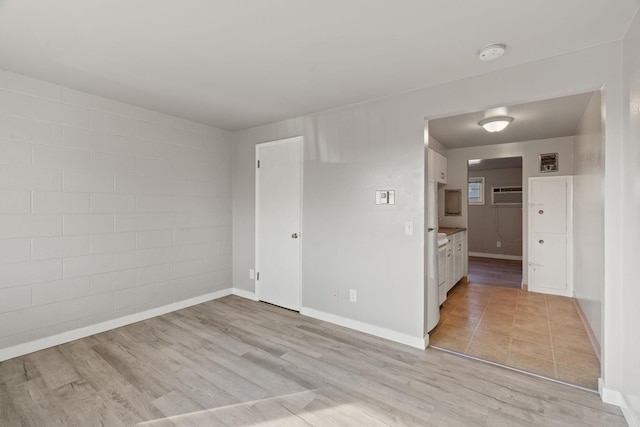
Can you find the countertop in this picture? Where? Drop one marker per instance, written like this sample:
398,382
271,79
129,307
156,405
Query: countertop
450,230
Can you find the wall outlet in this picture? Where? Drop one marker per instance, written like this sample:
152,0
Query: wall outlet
498,244
408,228
353,295
252,273
334,294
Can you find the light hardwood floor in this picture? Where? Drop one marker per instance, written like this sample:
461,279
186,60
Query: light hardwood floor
534,332
235,362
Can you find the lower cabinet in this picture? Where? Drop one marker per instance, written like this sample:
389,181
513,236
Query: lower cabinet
458,249
456,259
450,267
442,274
452,263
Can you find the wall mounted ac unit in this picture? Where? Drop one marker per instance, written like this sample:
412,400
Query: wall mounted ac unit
506,196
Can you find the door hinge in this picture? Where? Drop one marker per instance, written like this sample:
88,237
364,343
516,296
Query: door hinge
258,275
258,164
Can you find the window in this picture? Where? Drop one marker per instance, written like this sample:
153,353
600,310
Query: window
476,190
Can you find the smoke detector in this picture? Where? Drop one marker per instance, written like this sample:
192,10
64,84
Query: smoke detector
492,51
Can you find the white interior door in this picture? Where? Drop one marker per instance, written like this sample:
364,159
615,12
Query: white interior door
278,213
550,235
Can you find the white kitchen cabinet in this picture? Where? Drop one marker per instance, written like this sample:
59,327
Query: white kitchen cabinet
452,263
450,281
459,264
456,259
437,167
442,274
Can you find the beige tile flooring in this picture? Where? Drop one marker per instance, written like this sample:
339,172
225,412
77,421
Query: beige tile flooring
534,332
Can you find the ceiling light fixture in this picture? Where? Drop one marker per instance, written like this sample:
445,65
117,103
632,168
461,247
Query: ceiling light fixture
492,51
495,124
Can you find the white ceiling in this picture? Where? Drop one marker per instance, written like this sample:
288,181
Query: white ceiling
550,118
237,64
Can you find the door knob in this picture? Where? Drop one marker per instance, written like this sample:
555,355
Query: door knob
294,236
541,241
540,211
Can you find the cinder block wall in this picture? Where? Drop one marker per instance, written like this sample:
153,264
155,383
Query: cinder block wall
106,209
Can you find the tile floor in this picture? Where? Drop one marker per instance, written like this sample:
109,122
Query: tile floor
534,332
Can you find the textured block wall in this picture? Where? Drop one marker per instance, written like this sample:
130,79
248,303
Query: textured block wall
106,209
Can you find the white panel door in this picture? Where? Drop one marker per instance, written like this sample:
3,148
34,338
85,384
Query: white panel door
548,270
550,235
548,198
278,219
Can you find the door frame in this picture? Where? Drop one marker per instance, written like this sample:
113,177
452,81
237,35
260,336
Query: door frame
523,232
298,140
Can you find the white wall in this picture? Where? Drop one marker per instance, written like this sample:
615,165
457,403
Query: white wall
630,312
457,161
348,241
106,210
588,215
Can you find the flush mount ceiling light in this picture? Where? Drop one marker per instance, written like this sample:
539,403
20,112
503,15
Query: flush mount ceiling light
491,52
495,124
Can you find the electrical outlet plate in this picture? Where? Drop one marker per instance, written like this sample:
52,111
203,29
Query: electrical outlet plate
353,295
408,228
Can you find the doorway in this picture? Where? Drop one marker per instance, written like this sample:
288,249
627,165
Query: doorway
494,200
278,222
550,335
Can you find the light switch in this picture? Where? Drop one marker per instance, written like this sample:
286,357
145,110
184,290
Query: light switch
385,197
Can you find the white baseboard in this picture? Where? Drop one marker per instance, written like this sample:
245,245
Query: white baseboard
65,337
630,416
587,327
550,291
351,324
367,328
244,294
616,398
495,256
609,396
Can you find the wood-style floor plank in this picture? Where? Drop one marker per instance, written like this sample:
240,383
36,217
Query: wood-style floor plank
496,272
236,362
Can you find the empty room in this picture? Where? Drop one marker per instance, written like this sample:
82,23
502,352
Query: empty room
276,213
